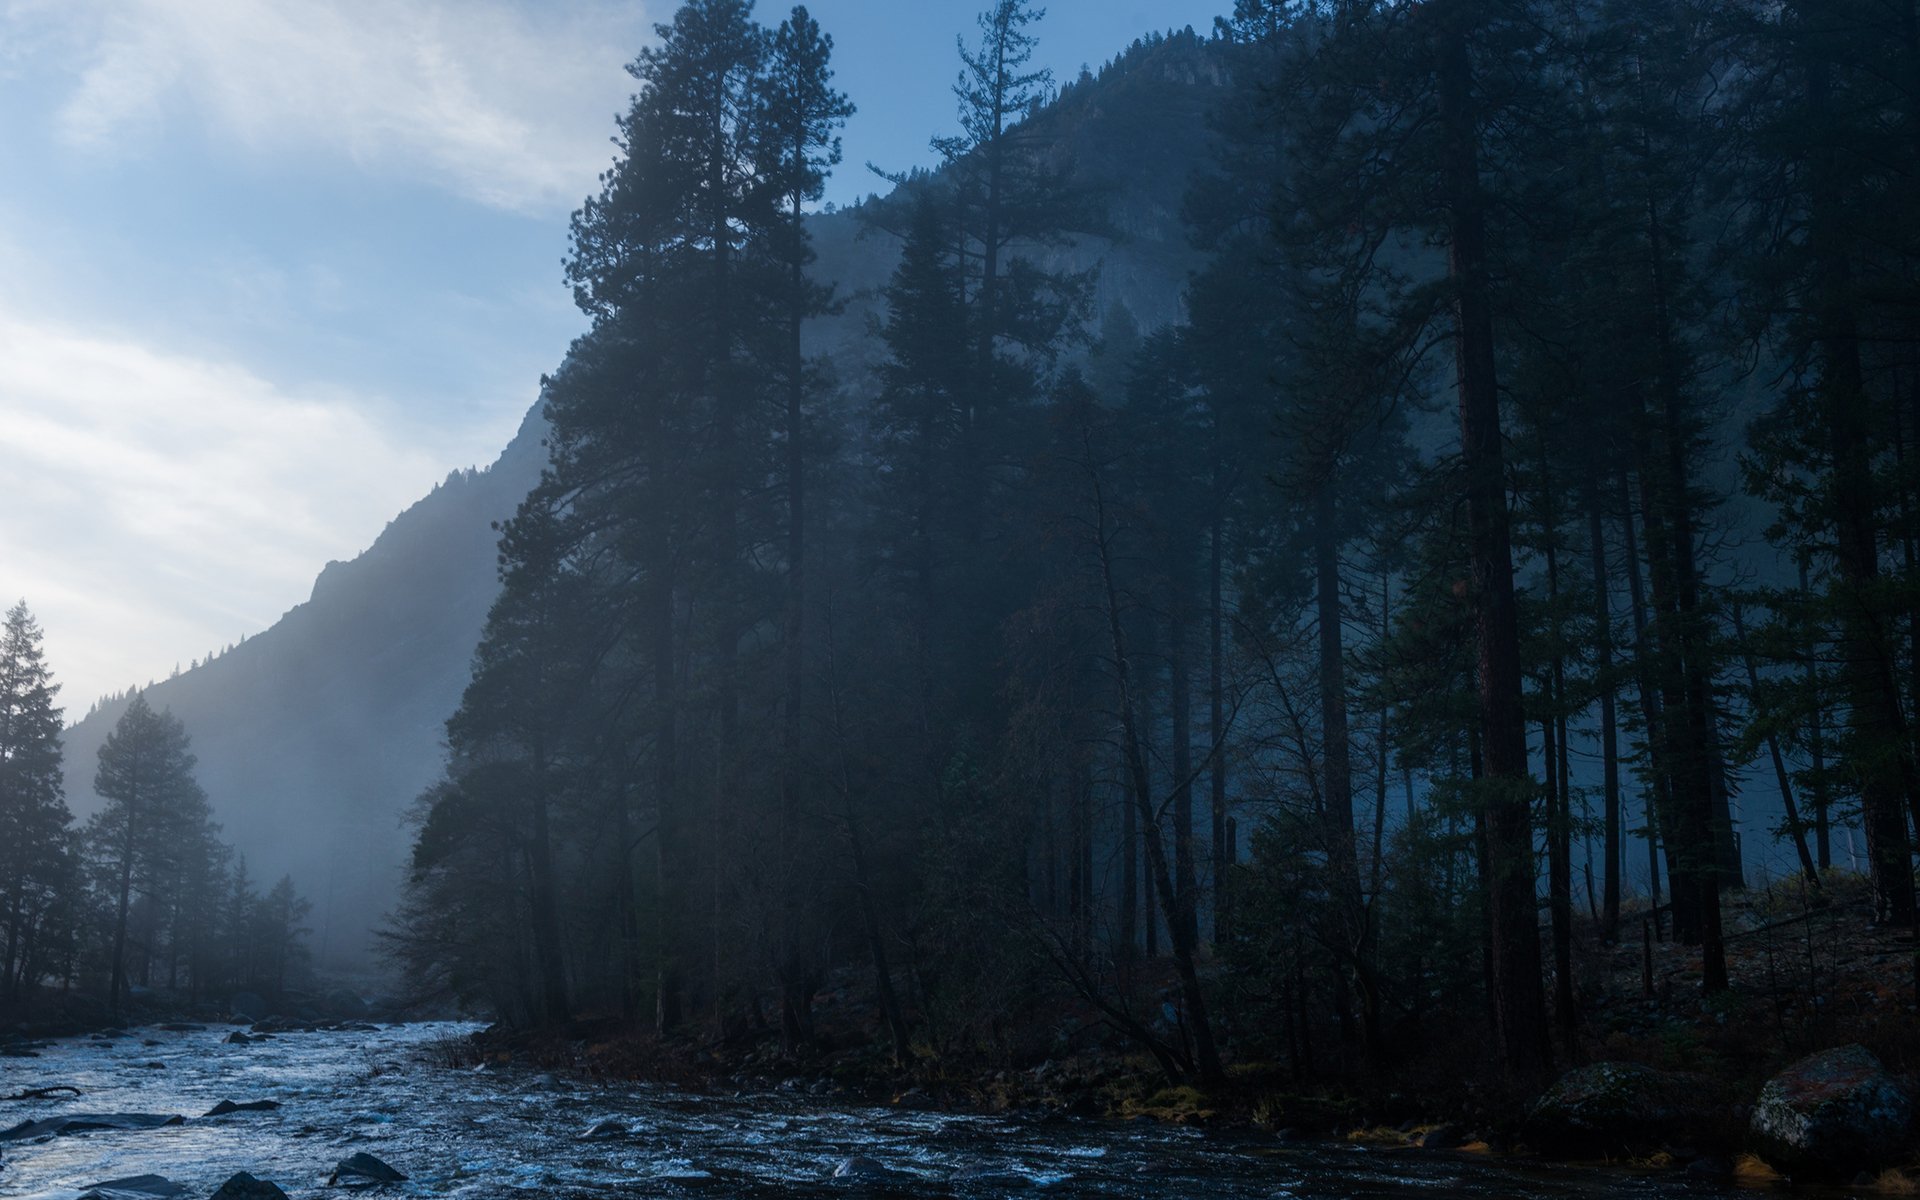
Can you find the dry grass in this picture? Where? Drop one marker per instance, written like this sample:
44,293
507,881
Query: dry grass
1753,1171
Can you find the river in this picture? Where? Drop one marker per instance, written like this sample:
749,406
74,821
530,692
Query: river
496,1132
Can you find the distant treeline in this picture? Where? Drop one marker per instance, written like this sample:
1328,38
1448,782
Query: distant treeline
968,670
144,894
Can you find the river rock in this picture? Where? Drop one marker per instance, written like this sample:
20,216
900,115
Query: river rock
227,1106
362,1170
1444,1136
86,1123
601,1131
861,1169
1831,1114
243,1186
1612,1107
135,1187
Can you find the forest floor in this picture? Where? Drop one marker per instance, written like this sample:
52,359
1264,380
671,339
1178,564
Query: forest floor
1808,968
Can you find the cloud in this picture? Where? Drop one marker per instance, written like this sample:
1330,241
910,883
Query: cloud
165,505
508,104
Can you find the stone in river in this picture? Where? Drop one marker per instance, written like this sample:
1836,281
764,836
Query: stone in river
861,1169
362,1170
227,1106
245,1187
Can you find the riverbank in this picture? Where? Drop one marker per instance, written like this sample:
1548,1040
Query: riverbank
1810,974
494,1133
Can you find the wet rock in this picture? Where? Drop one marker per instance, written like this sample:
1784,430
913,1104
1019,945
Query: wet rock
1832,1113
227,1106
86,1123
240,1038
135,1187
362,1170
1444,1136
154,1066
861,1169
243,1186
604,1131
1612,1107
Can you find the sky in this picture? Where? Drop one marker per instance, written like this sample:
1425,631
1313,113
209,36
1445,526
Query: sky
270,269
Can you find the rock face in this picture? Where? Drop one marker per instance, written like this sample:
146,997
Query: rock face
1611,1107
1832,1113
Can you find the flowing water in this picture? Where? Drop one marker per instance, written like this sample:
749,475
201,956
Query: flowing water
495,1132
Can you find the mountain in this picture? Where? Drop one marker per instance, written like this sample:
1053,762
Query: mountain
315,736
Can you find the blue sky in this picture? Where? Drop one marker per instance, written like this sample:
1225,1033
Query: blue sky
269,269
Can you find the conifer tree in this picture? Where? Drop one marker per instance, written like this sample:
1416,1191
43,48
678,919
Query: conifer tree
153,806
36,862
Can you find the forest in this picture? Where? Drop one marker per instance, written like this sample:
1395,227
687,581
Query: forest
97,917
1344,662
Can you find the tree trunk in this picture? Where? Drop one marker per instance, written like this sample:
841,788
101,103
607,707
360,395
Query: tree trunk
1609,719
1206,1054
1336,753
1216,726
1518,1000
1866,674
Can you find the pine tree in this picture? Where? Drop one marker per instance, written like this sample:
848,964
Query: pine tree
36,864
152,806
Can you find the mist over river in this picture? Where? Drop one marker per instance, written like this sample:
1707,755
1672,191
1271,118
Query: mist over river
493,1132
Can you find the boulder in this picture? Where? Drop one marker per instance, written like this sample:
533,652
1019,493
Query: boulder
1444,1136
1832,1114
243,1186
346,1004
861,1169
1610,1108
363,1170
227,1106
601,1131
